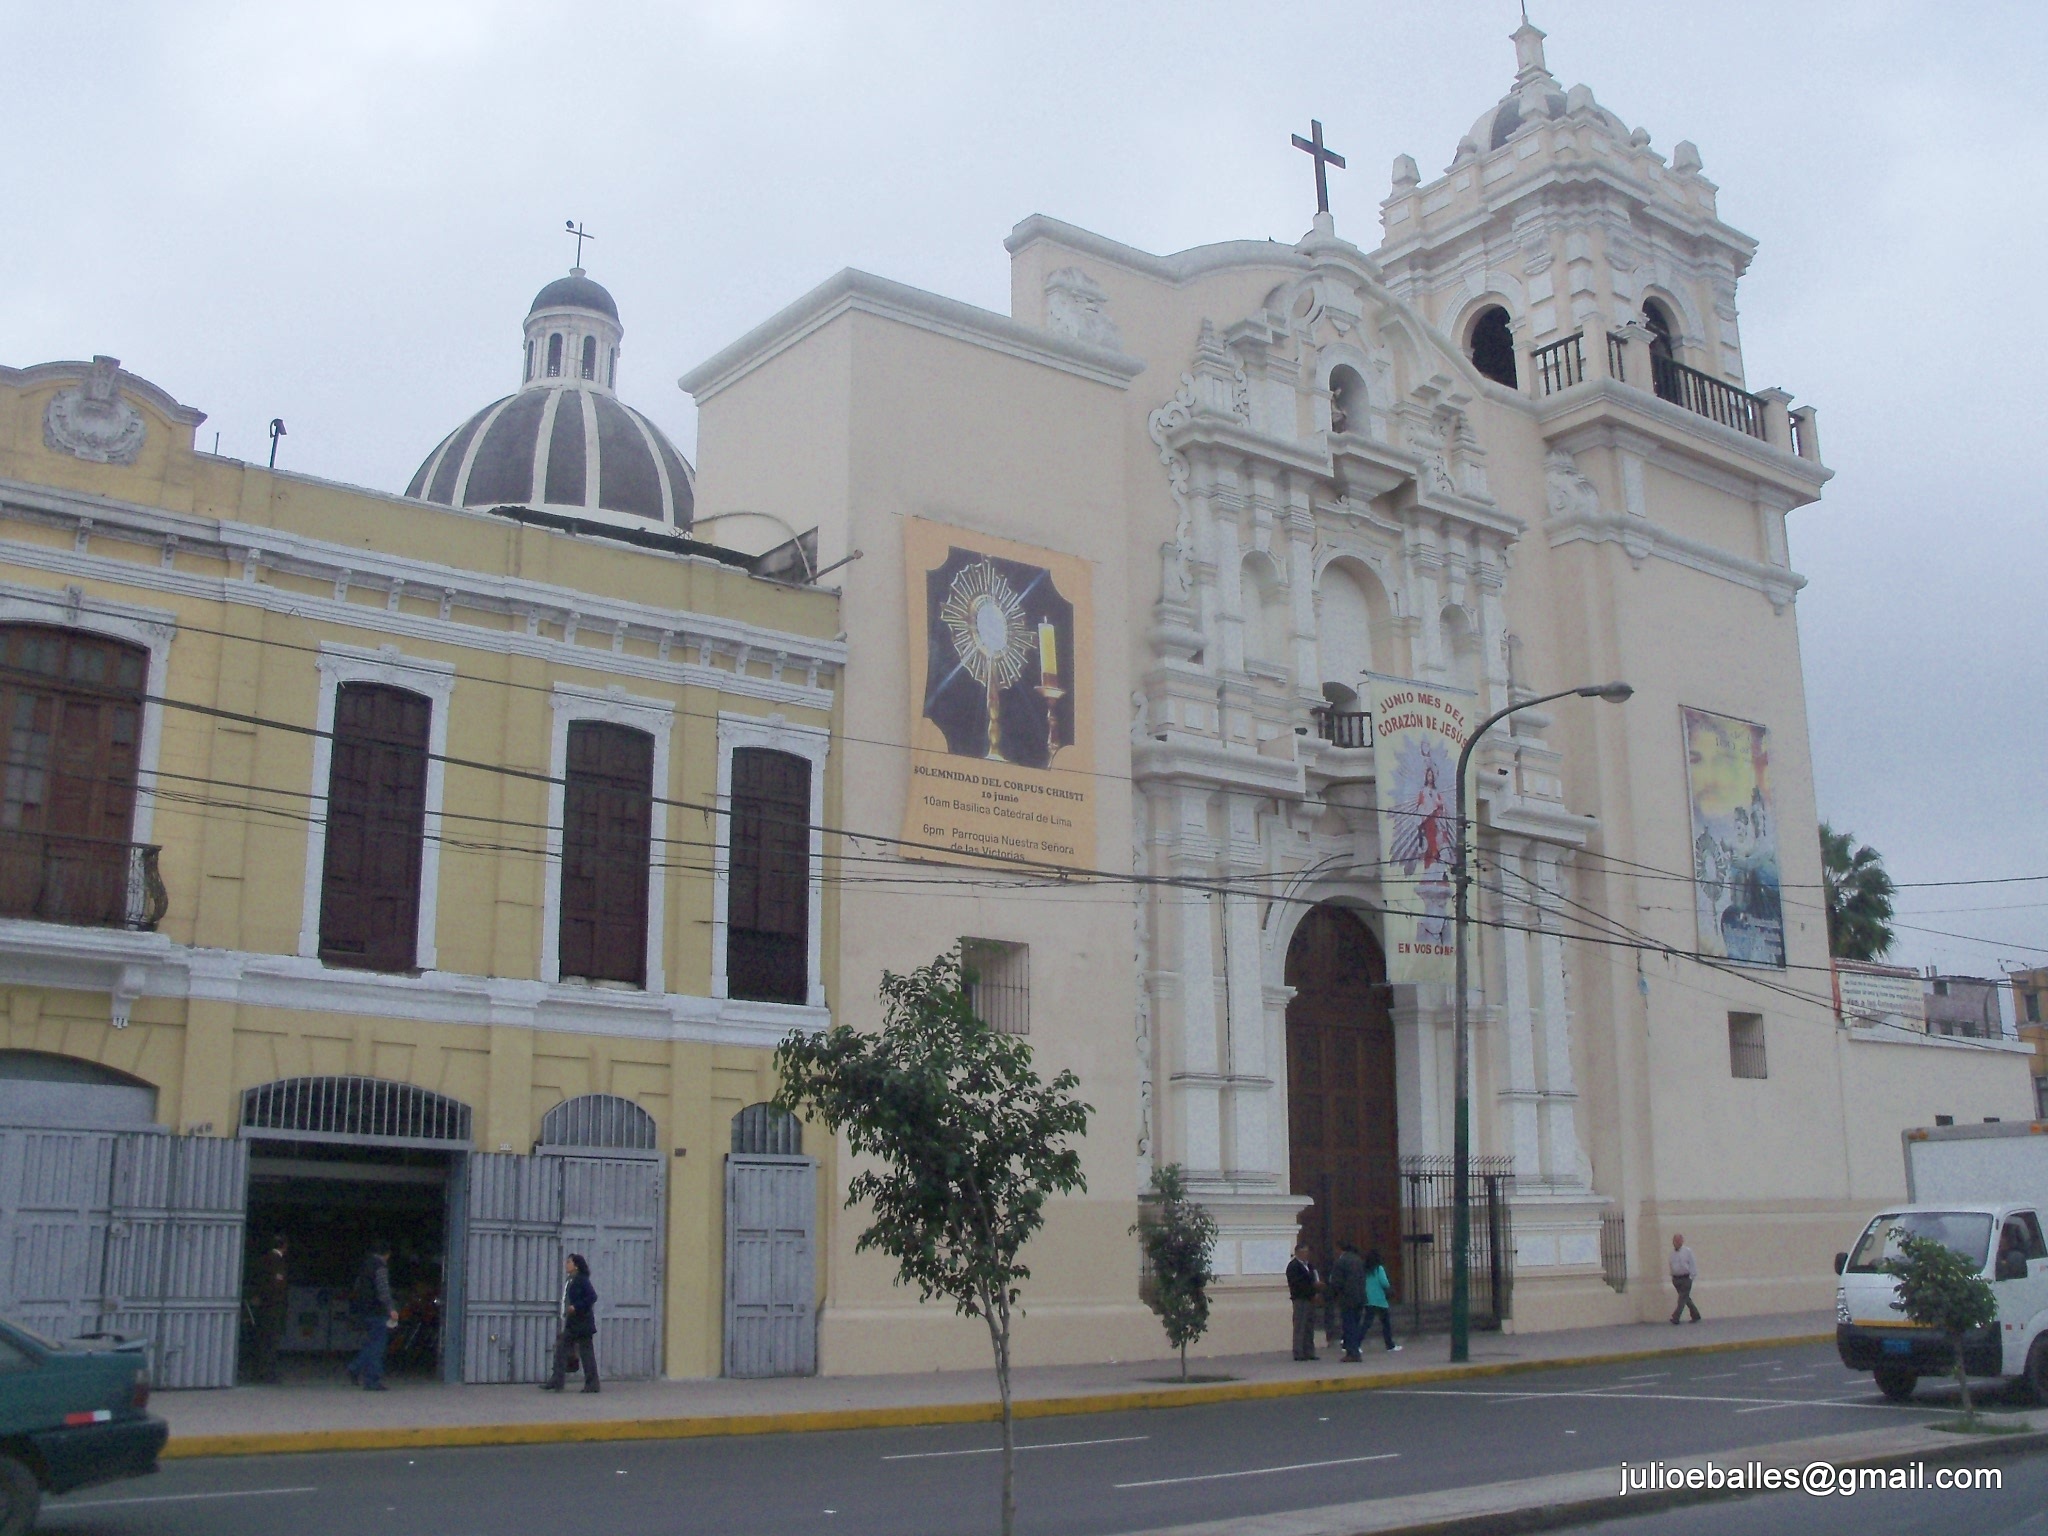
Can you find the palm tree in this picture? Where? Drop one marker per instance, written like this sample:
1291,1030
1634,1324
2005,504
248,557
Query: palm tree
1859,897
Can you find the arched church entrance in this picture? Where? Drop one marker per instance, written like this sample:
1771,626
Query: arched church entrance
1343,1139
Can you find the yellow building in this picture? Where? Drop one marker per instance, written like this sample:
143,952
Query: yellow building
371,866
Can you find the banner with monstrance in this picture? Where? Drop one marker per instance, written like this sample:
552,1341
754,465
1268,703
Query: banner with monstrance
1418,731
1002,753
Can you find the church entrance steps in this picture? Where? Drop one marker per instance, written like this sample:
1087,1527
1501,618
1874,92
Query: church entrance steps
261,1421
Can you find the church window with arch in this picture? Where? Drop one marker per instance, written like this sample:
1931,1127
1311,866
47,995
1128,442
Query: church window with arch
1492,345
555,355
1347,400
590,357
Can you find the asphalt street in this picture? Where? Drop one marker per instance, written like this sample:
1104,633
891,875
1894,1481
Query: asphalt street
1082,1476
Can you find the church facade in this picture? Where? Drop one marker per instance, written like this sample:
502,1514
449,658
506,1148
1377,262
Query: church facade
1146,580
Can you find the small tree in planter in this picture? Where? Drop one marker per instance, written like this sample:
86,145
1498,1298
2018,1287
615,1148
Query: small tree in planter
968,1144
1179,1236
1940,1290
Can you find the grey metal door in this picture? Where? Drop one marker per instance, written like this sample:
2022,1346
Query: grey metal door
771,1279
173,1267
512,1266
53,1226
612,1214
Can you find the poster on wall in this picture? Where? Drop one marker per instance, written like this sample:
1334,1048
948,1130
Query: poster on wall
1418,731
1734,838
1002,754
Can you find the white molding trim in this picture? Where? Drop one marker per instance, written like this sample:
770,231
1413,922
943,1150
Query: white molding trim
340,664
58,956
1641,539
151,628
854,292
655,718
812,744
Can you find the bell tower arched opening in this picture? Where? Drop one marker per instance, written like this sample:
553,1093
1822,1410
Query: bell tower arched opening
1343,1142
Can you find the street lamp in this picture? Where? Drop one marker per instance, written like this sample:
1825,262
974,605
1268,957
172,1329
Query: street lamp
1461,1176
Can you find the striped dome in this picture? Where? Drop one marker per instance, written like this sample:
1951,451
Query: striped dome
564,443
561,446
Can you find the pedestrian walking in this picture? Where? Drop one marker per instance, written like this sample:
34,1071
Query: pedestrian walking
1684,1270
1301,1291
1377,1285
370,1301
1347,1276
578,1335
271,1307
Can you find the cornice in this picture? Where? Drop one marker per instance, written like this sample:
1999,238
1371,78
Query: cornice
1599,412
1642,539
1179,269
1183,760
856,292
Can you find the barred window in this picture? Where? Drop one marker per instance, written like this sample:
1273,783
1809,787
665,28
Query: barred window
1746,1045
998,977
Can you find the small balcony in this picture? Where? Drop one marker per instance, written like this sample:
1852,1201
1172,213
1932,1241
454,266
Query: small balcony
1630,360
89,882
1350,728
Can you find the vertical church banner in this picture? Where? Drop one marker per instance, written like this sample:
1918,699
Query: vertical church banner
1418,732
1002,753
1734,838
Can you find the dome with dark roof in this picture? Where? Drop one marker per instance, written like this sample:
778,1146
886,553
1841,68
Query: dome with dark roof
563,442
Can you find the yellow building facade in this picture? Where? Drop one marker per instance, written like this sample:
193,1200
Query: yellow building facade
320,822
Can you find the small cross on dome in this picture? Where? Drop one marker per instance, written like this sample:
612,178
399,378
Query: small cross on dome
581,234
1324,158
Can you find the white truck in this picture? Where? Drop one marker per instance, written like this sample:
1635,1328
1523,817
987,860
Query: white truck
1982,1190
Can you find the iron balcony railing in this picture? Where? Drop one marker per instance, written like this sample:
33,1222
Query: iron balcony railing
1344,727
1561,364
1705,395
92,882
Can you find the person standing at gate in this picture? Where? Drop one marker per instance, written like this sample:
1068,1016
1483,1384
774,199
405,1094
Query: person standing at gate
1301,1291
1684,1270
271,1307
1347,1278
578,1336
1377,1286
370,1300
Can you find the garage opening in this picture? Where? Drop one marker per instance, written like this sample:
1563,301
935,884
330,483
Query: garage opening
335,1164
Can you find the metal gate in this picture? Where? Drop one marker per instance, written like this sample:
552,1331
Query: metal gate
131,1232
771,1286
522,1216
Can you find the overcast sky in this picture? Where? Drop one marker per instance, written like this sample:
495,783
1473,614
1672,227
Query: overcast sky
338,215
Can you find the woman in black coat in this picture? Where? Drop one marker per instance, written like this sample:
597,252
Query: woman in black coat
578,1338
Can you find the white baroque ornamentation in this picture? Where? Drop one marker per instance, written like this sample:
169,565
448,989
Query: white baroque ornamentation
1569,493
1077,306
93,422
1177,412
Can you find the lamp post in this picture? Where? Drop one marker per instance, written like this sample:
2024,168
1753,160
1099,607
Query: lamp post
1461,1175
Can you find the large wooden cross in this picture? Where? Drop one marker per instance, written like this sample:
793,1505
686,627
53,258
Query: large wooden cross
1324,158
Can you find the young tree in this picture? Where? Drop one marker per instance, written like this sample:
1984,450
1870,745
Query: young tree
1859,897
1178,1236
1940,1290
968,1142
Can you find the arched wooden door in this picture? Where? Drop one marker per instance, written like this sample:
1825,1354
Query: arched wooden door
1343,1143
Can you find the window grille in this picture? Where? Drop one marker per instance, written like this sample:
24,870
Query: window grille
354,1109
1746,1045
763,1130
998,977
599,1120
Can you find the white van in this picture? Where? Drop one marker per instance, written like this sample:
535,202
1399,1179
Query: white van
2003,1241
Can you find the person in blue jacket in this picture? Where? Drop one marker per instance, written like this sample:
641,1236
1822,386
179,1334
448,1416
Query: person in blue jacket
578,1338
1377,1299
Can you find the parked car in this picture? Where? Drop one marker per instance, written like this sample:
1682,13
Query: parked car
71,1415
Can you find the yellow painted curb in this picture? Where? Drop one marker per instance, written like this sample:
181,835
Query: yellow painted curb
585,1431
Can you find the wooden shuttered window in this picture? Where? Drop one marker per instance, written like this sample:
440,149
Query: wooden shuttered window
376,828
71,706
607,811
768,895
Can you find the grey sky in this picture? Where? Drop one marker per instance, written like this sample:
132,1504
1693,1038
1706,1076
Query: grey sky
338,214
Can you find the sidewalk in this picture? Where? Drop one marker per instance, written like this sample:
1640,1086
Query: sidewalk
249,1421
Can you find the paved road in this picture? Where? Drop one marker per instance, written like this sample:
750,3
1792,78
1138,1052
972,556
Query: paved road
2019,1508
1085,1476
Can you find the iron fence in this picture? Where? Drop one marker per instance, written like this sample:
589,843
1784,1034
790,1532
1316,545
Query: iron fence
1428,1216
92,882
1343,727
1705,395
